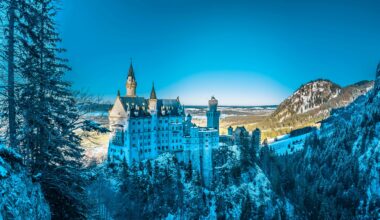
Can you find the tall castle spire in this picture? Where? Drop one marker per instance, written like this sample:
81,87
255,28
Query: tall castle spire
131,84
153,101
131,73
153,93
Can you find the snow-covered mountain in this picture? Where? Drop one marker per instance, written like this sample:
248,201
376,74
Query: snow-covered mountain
316,99
338,172
20,198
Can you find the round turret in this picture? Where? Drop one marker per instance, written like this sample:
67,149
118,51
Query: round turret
213,104
213,114
230,130
189,117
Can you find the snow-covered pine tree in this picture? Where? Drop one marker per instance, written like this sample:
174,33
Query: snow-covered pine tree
49,113
11,75
246,208
189,172
10,51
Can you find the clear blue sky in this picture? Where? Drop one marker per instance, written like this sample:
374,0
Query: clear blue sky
243,52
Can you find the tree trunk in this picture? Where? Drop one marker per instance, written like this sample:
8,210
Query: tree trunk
11,76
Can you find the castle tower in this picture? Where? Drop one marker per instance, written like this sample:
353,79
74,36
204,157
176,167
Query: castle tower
152,106
256,141
153,100
213,114
187,125
131,84
256,138
230,130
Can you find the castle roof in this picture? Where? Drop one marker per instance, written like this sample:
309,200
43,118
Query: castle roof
153,93
139,106
131,102
131,72
169,102
240,129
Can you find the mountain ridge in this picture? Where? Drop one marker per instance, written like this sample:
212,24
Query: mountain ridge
311,103
339,165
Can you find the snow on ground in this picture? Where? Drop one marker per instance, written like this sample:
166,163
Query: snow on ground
20,198
287,144
278,138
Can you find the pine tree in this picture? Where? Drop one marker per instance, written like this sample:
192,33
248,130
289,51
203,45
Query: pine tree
50,115
11,75
246,209
195,207
189,172
11,50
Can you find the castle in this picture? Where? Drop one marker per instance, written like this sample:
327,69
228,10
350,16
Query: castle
145,128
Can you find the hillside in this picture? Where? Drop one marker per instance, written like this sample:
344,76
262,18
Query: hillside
337,174
163,188
311,103
20,198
